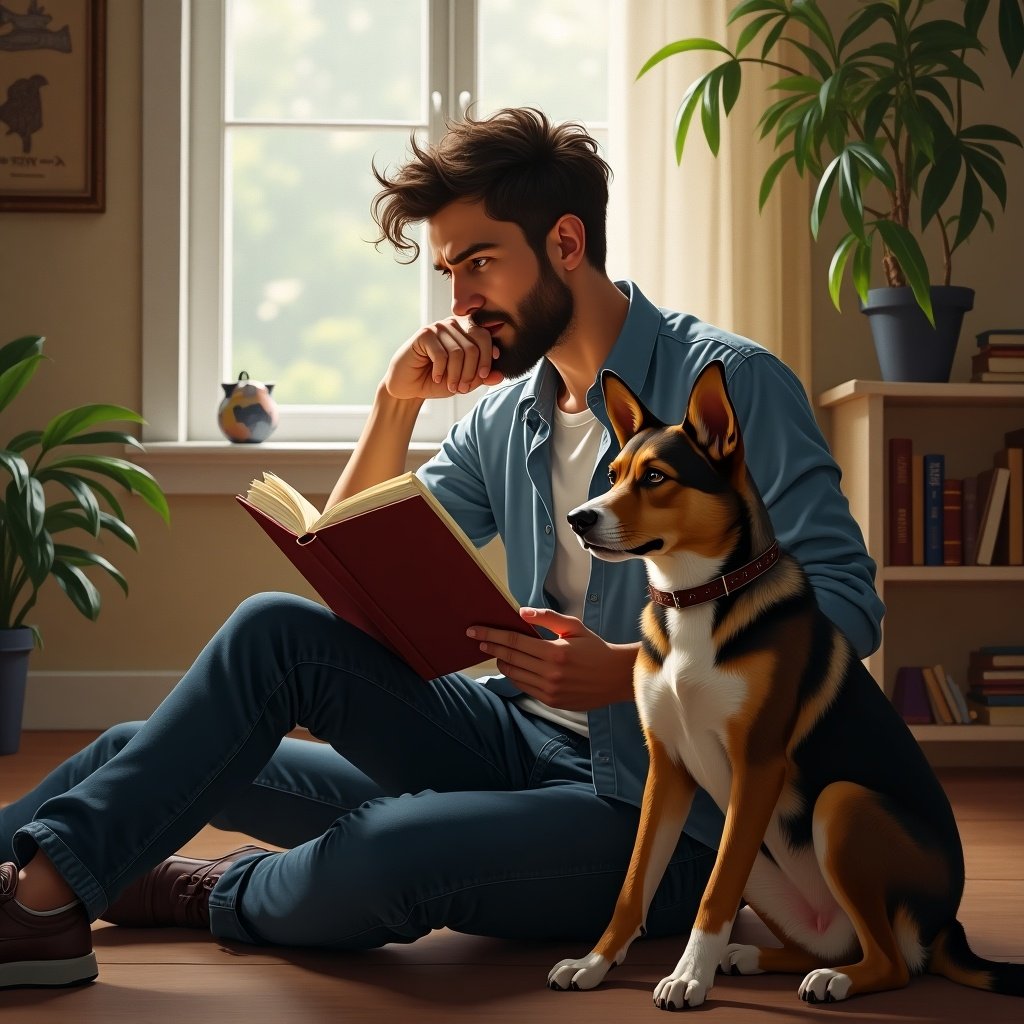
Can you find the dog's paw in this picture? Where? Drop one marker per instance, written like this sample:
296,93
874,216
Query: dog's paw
680,992
824,986
579,975
740,959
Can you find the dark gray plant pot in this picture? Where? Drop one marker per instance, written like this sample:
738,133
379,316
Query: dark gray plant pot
907,346
15,647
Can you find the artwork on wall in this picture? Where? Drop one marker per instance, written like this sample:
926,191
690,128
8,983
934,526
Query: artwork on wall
52,105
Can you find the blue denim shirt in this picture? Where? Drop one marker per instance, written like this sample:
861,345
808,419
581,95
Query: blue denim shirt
493,474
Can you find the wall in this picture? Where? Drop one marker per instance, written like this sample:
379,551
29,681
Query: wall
76,279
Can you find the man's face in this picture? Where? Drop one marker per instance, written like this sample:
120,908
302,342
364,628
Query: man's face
499,284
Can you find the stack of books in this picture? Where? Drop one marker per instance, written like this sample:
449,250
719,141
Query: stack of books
927,694
1000,356
996,684
938,519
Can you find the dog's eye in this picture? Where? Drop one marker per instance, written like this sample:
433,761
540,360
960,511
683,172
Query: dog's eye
653,476
611,476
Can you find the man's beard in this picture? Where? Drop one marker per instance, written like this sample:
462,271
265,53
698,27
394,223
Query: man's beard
541,320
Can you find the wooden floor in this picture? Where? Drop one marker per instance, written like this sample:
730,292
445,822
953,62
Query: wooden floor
190,978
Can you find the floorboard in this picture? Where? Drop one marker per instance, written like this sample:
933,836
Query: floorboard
176,976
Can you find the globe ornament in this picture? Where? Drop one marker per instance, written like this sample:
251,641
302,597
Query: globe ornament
248,412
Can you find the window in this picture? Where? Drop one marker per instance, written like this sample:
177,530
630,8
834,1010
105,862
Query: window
265,262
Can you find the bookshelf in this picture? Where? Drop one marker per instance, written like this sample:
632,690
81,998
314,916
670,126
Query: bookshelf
934,614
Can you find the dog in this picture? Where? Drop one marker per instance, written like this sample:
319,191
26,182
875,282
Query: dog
837,832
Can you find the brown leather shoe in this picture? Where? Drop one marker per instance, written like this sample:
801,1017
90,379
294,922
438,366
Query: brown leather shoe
174,894
41,950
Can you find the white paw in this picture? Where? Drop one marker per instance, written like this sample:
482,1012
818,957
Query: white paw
680,991
740,959
824,986
579,974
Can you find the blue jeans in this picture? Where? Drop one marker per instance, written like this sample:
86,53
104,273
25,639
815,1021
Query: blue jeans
431,804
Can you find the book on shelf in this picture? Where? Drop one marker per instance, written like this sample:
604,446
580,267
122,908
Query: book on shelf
969,518
954,696
917,508
1014,438
1010,539
993,484
934,471
996,715
394,563
900,523
936,697
998,360
1000,377
1001,337
997,656
998,700
952,522
910,696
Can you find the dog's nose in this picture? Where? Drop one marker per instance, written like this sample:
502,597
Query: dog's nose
581,520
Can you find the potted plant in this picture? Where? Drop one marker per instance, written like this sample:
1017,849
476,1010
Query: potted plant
56,485
873,111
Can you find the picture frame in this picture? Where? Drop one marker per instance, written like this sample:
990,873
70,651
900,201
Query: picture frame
53,105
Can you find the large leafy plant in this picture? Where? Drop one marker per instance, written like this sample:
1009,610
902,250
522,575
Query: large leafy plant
56,487
874,111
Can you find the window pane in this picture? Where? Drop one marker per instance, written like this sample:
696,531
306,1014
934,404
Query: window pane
314,306
552,55
322,59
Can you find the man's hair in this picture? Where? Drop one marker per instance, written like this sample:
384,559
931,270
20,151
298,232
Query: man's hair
517,163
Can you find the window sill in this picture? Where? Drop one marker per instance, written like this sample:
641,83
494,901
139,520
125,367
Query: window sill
219,467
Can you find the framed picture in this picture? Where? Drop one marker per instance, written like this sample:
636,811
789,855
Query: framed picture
52,104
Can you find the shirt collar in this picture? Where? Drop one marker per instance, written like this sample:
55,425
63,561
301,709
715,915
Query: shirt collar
630,358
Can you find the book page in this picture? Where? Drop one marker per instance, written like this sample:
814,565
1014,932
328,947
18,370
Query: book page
283,503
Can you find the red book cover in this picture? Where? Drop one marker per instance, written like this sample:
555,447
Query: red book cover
969,519
400,574
952,522
900,525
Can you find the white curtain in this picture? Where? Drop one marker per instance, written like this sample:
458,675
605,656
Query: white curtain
691,235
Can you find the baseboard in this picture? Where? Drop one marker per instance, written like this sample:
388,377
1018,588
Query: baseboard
93,700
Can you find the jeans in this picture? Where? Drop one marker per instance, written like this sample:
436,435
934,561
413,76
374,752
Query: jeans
429,805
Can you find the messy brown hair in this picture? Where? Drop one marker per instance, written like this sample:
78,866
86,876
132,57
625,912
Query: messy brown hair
522,167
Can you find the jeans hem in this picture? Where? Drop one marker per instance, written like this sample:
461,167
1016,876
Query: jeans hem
81,880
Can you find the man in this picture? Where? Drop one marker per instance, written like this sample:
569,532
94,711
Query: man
508,808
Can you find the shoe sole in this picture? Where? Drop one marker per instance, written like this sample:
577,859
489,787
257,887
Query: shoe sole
49,973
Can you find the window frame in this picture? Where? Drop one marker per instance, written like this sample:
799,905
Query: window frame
183,243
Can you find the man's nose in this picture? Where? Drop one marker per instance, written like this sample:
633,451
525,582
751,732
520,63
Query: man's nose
465,299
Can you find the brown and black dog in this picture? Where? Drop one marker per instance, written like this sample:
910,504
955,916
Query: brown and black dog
836,830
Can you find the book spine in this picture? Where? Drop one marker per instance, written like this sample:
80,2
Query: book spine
910,697
969,518
900,524
935,695
934,468
917,507
952,522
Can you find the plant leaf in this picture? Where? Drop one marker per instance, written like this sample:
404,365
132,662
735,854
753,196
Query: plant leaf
14,379
681,46
684,115
16,466
1011,32
821,196
989,171
69,555
970,208
65,426
939,183
709,111
731,79
862,268
850,200
902,244
133,478
990,132
82,591
768,181
838,265
750,30
106,437
80,490
19,350
24,440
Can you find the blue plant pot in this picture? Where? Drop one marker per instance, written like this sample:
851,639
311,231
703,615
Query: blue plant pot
15,647
907,346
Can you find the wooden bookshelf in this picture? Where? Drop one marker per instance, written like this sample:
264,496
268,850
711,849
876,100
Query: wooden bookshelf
934,614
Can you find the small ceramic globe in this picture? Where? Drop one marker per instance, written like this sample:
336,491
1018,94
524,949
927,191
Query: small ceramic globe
248,412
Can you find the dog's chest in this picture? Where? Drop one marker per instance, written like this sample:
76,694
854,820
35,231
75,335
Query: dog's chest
688,702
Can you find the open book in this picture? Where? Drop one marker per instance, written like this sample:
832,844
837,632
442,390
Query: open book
393,562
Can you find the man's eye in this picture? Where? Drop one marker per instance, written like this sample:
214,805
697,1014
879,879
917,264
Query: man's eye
653,476
480,262
444,272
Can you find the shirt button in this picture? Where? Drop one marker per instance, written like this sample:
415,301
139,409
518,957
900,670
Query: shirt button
547,528
593,598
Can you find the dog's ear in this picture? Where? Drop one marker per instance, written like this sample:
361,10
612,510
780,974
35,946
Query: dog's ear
627,413
710,418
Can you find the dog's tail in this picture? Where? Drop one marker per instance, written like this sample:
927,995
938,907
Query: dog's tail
953,958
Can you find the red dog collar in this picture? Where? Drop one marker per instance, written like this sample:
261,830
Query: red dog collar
720,587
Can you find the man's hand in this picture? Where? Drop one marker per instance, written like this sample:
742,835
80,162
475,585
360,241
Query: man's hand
577,671
445,358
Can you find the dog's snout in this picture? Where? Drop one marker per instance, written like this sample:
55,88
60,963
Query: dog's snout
581,520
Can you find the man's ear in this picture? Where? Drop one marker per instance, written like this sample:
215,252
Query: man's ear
568,241
627,413
710,418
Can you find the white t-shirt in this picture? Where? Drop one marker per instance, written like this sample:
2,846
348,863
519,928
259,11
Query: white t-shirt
575,442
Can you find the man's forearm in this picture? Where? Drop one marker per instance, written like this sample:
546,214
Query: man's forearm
383,445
